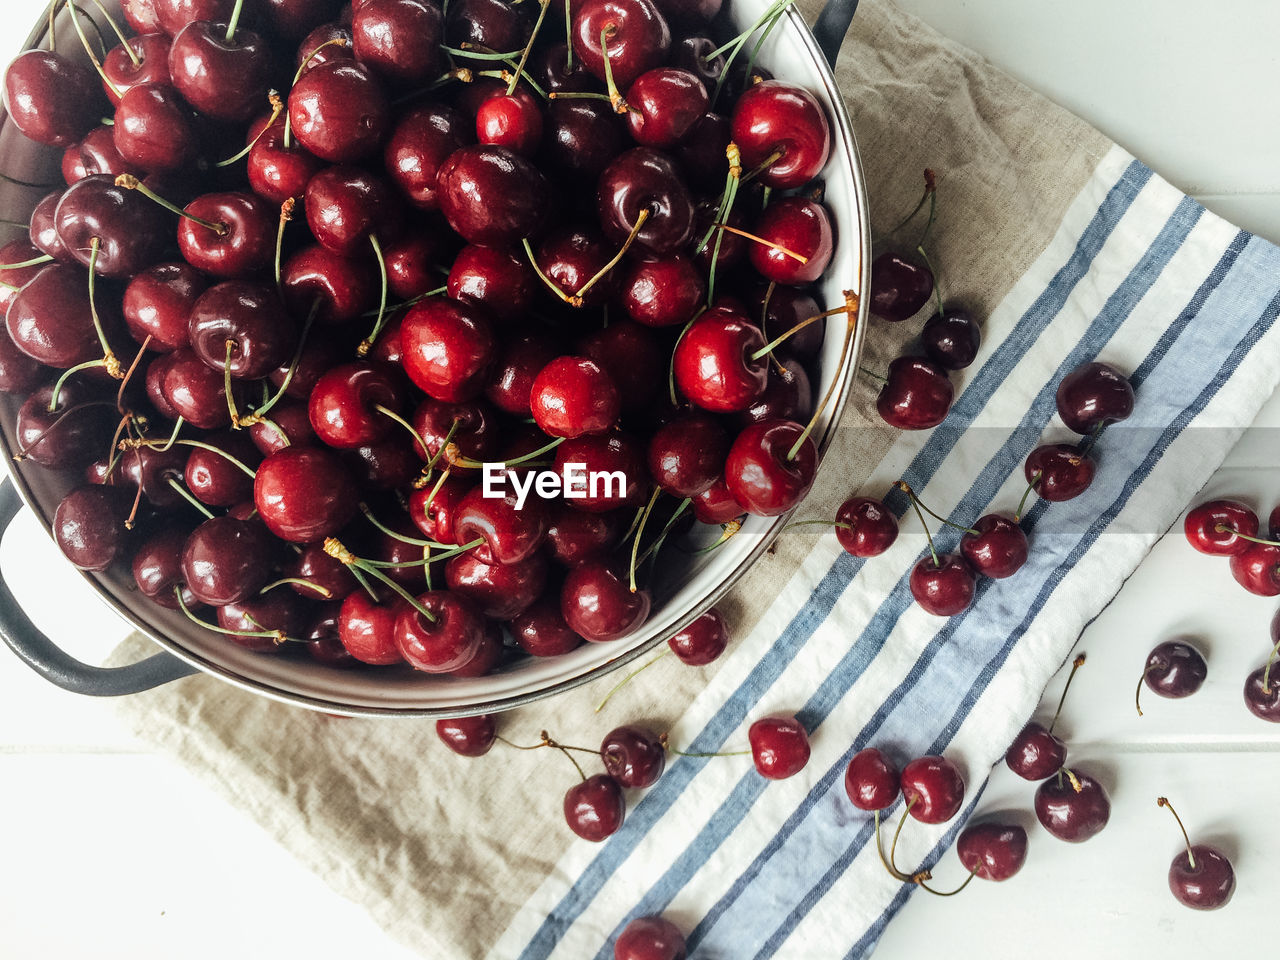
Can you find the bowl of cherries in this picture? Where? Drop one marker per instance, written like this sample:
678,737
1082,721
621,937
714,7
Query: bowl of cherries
396,358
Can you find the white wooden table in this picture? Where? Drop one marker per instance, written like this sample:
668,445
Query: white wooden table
111,851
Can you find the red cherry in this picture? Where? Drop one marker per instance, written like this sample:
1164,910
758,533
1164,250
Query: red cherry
492,196
468,736
944,588
637,35
594,809
650,938
934,789
398,39
498,590
452,641
633,756
1202,527
871,780
243,245
158,302
513,121
664,104
367,629
717,505
597,603
504,283
225,79
510,534
154,129
645,179
277,172
713,362
774,116
870,529
339,112
541,631
51,99
687,455
617,454
344,401
917,395
899,287
447,348
779,747
1257,569
1064,472
573,396
761,475
1092,396
663,292
304,494
993,851
998,550
702,641
1072,814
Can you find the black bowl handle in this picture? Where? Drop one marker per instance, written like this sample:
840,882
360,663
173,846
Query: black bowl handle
58,667
833,24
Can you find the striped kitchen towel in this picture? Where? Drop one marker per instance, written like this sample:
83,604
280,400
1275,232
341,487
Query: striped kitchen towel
1070,250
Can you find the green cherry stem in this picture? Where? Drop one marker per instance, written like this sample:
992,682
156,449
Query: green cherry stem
129,182
524,57
1076,664
413,541
906,488
334,548
1191,857
322,590
627,679
115,27
893,847
187,496
33,262
1017,516
275,635
896,874
58,384
928,536
851,310
234,21
635,544
1266,672
367,343
919,879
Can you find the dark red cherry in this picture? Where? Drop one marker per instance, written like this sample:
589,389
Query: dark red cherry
695,55
367,629
287,425
703,154
597,603
865,527
1203,523
664,104
391,463
510,533
69,436
687,455
213,478
89,526
1257,569
570,256
19,373
157,568
594,808
141,15
917,395
1072,808
635,360
344,405
449,643
944,588
493,650
1092,396
634,756
412,260
992,851
304,494
951,339
714,364
398,39
899,287
347,206
1064,472
644,179
574,537
423,139
281,612
717,505
328,574
501,281
492,196
291,19
129,228
787,397
491,24
468,736
615,454
513,121
51,99
339,111
933,789
158,303
278,173
1201,877
499,590
1175,669
243,244
580,137
1036,753
1262,694
774,117
702,641
760,472
573,396
338,288
242,326
650,938
173,15
312,51
97,153
226,79
49,318
519,361
793,227
779,746
154,129
541,630
998,550
664,292
447,348
637,38
323,643
871,780
19,251
227,560
472,429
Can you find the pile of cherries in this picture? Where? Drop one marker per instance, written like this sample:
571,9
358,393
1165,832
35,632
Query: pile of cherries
1088,399
533,234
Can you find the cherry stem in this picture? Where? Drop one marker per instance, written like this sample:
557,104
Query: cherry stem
631,238
367,344
769,347
128,374
26,450
764,319
1017,517
477,52
277,105
234,21
896,874
417,437
1075,665
111,22
286,214
737,43
722,216
919,879
929,187
1266,672
514,461
627,679
727,532
322,590
275,635
53,40
166,446
1227,528
187,496
287,139
1137,697
233,460
524,57
619,105
58,384
824,523
851,309
666,745
906,488
364,508
937,282
360,579
761,240
893,847
334,548
129,182
568,37
258,415
410,302
227,388
635,544
1191,857
109,360
934,553
551,284
76,13
33,262
431,463
1072,779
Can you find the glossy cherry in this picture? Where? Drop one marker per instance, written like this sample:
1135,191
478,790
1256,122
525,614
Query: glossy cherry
645,179
346,207
573,396
242,326
637,38
541,630
214,479
499,590
664,104
398,39
129,228
367,629
687,454
779,746
243,243
339,111
447,348
570,256
89,526
650,938
492,196
468,736
992,851
714,364
1262,694
226,79
339,289
1072,808
580,137
227,560
1257,569
304,494
1215,527
510,533
702,641
900,288
933,789
597,603
1064,472
760,472
513,121
344,402
157,568
1175,669
943,588
951,339
917,395
445,645
503,282
663,292
634,756
278,172
775,117
1036,753
424,137
871,780
51,99
998,549
1092,396
594,809
793,227
158,302
865,527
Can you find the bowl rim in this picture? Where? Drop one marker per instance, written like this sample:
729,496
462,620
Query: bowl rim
845,147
